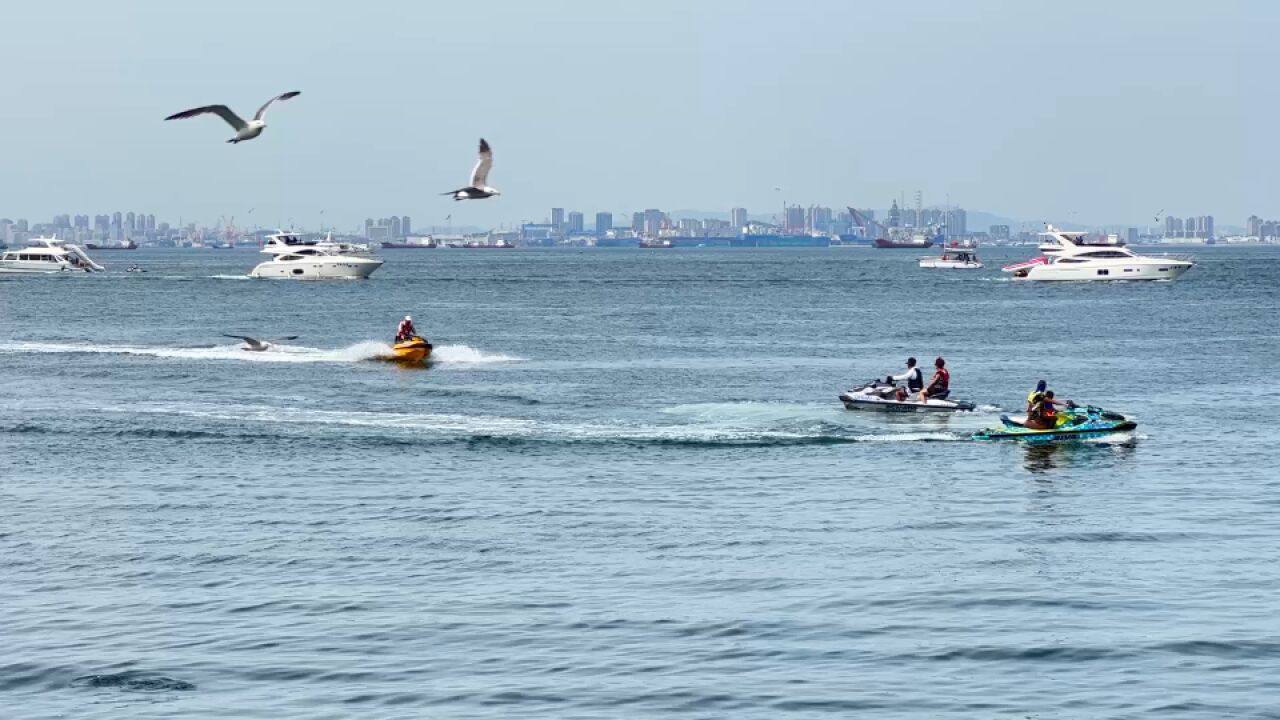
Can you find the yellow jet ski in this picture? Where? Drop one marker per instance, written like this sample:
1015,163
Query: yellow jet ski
412,351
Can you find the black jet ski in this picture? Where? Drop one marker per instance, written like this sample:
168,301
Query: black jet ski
881,396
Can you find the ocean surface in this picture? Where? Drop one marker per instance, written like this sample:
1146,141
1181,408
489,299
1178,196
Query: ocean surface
626,489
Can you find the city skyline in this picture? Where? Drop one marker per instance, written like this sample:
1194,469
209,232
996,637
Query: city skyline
569,227
1104,117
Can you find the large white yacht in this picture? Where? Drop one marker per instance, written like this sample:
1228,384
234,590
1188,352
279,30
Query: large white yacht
46,256
297,258
1067,257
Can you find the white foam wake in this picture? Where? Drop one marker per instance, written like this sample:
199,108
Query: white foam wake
367,350
466,354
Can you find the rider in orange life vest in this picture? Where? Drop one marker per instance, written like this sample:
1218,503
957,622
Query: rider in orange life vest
406,329
940,384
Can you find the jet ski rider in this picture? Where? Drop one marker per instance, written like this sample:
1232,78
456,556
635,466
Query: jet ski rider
406,329
940,383
1042,412
913,377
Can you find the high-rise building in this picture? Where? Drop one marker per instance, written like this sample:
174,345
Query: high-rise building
637,222
575,222
738,217
1131,236
117,219
1172,226
604,222
654,221
818,219
557,219
151,223
793,219
394,223
1253,228
895,216
405,227
690,227
129,221
957,222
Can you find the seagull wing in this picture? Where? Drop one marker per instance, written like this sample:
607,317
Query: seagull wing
282,339
220,110
253,343
262,111
480,175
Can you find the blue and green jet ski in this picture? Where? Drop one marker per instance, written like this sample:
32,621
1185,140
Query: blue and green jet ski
1074,423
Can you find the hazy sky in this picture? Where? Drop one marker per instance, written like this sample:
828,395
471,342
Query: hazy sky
1101,110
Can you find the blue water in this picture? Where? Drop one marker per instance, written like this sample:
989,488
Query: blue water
627,489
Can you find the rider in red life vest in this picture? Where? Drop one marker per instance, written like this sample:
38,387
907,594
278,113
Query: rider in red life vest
940,385
406,329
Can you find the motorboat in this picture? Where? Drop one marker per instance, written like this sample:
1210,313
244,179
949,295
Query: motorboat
47,256
1068,257
881,396
413,350
955,256
1074,423
294,257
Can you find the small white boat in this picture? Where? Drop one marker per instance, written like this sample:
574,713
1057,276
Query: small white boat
299,259
1069,257
954,257
47,256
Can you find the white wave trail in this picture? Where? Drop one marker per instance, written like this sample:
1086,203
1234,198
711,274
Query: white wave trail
366,350
465,354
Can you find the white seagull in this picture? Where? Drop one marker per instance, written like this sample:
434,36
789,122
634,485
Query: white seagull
478,189
256,345
244,130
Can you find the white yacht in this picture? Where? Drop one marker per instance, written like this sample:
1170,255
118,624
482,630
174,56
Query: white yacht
1067,257
46,256
294,257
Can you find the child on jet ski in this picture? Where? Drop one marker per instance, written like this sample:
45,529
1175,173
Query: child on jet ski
914,378
406,329
1042,412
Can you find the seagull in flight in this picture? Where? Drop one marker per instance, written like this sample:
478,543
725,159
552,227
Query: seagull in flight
255,345
244,130
478,188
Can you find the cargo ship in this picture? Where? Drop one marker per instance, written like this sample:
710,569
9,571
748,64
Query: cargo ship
410,245
901,240
126,245
780,241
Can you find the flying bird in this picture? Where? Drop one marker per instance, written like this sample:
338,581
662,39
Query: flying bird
255,345
478,188
244,130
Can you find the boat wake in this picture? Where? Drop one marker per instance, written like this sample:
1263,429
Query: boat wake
251,422
283,353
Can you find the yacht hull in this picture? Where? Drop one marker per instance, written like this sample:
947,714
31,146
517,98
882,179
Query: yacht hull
1155,271
310,269
18,270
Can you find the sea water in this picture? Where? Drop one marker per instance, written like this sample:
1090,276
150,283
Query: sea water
625,487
